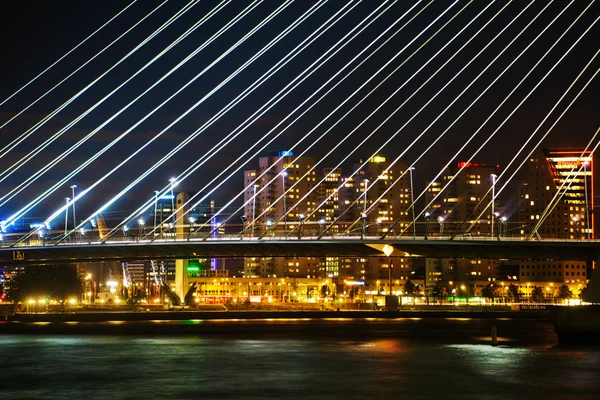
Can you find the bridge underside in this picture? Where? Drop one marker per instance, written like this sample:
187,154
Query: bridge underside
301,248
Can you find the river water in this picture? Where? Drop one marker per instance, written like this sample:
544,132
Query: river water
447,363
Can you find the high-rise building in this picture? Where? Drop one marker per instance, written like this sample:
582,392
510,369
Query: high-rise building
376,183
264,199
569,215
463,192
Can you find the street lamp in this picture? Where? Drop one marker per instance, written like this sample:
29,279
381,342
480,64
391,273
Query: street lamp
378,221
366,181
66,215
321,224
253,210
301,218
363,217
156,192
283,175
141,224
440,220
244,220
173,181
427,217
577,230
192,220
74,218
494,176
412,202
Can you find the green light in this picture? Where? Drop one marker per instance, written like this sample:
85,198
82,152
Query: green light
193,268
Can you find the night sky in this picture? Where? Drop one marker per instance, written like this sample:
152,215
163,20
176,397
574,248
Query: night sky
35,34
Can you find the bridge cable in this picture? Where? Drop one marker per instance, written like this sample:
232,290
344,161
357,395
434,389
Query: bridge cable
251,88
19,188
274,69
17,165
491,135
325,230
524,160
22,137
391,227
304,77
269,229
63,57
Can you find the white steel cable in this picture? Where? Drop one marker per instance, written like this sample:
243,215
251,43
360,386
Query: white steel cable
64,56
21,186
558,195
15,142
491,135
379,107
252,59
466,109
524,160
442,113
49,191
227,139
304,76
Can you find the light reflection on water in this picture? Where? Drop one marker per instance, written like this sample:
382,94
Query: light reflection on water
292,366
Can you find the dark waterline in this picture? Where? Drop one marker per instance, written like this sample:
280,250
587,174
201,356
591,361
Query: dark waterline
414,359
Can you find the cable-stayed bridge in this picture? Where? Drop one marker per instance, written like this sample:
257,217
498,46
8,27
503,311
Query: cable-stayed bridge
205,89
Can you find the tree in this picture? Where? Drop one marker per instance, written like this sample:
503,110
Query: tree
513,293
409,288
565,293
325,291
53,281
490,291
537,295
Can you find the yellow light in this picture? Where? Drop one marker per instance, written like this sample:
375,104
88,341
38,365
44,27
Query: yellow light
388,250
72,301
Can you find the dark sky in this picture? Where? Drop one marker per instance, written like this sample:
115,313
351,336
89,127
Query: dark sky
35,34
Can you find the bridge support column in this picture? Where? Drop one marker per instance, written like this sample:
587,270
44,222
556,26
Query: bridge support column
181,233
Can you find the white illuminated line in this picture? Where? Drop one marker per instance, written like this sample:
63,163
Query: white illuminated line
440,115
304,76
524,160
558,195
19,188
466,109
380,106
61,58
48,192
292,54
43,121
9,171
286,31
490,136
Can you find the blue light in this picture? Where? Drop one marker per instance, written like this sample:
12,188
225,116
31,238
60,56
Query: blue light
285,153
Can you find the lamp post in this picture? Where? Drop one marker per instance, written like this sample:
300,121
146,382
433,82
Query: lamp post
494,176
283,175
141,224
244,220
253,210
412,201
366,181
321,225
427,216
440,220
363,217
503,220
577,230
73,197
301,218
66,215
192,220
173,181
378,221
388,250
155,211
